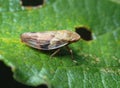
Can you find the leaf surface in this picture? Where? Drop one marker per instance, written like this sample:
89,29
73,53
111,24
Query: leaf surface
98,61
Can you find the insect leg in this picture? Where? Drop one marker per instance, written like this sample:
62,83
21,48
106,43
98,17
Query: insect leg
70,52
54,53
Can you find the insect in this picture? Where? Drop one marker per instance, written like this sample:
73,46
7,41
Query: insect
50,40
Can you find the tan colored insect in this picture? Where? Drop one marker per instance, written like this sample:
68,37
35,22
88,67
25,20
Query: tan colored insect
50,40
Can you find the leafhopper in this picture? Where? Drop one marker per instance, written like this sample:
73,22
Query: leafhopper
50,40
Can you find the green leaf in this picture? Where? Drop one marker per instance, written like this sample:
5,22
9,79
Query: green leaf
116,1
98,61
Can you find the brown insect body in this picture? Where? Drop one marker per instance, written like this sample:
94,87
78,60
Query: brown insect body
49,40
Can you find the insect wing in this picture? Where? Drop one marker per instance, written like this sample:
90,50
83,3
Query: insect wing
42,41
57,44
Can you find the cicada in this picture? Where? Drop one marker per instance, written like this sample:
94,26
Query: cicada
50,40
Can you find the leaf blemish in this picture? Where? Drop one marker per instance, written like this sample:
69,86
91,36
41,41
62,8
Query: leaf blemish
84,33
32,3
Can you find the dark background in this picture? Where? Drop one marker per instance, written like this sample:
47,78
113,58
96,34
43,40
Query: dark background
7,81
